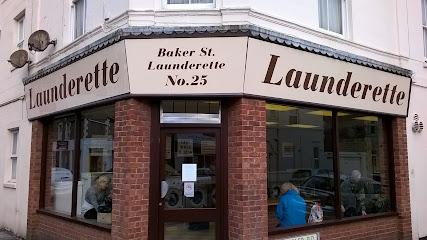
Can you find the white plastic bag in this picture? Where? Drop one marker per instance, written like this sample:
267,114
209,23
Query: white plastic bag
316,214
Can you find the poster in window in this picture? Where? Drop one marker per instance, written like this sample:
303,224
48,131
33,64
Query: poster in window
185,147
207,147
288,149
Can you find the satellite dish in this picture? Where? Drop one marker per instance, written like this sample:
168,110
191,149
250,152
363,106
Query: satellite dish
19,58
39,40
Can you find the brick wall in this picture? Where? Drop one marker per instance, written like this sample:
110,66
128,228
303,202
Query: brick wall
130,184
403,204
247,176
131,170
378,229
34,179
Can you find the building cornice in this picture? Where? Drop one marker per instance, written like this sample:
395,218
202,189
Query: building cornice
151,32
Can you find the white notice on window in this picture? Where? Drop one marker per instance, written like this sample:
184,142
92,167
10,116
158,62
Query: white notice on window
185,147
189,172
189,189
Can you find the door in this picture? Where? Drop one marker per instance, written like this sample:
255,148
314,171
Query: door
190,184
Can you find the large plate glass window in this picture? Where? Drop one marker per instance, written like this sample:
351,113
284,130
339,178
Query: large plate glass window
80,158
300,151
424,13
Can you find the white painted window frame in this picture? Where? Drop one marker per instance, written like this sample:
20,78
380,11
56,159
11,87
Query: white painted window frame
344,20
14,154
189,5
73,20
20,35
424,25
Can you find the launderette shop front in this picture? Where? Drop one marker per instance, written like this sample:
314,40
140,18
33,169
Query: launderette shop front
196,133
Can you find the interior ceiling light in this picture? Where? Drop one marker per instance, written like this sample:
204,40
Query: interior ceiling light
272,123
302,126
279,107
326,113
367,118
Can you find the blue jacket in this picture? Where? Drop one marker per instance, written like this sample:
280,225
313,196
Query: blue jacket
291,209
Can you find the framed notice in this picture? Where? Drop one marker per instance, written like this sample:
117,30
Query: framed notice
288,149
207,147
185,147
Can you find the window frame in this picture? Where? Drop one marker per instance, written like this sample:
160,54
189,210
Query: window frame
20,35
73,19
424,26
14,156
47,122
387,126
344,16
189,5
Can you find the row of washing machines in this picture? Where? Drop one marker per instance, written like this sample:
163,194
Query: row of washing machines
204,193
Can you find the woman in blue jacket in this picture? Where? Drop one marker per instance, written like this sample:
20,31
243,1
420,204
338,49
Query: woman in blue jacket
291,208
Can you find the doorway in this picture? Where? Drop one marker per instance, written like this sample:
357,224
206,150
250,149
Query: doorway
190,183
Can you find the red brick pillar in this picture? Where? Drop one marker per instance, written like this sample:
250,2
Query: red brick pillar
403,203
247,173
131,169
34,179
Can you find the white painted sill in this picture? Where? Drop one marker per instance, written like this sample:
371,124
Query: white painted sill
9,185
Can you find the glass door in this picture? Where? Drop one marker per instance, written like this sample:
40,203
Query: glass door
190,184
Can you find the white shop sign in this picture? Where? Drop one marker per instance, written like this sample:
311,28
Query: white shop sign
102,75
286,73
218,66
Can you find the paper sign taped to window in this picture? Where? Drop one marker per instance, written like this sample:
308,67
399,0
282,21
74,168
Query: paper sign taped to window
189,172
189,189
185,147
313,236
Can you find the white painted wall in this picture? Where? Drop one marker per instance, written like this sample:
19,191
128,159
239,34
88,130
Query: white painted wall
417,142
13,200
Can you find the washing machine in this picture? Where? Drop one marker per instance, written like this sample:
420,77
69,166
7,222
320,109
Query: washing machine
199,200
173,198
274,191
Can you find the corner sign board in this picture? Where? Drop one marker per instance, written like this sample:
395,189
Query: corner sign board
187,66
102,75
286,73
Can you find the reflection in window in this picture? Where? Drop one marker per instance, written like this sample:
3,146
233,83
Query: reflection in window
94,181
60,162
96,163
299,150
363,160
190,111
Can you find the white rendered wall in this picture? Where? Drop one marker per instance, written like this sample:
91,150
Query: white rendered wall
13,197
417,142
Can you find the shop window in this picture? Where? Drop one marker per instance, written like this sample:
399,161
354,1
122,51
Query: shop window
189,4
300,151
78,18
92,155
424,14
331,15
190,111
365,165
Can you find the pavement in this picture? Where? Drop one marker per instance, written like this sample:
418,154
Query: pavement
7,235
